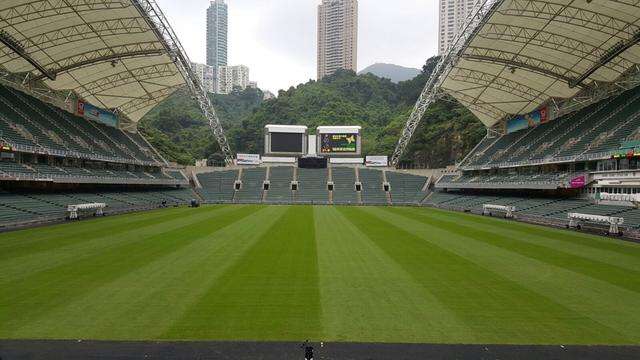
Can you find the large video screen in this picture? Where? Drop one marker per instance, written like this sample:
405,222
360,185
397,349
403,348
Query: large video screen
339,143
286,142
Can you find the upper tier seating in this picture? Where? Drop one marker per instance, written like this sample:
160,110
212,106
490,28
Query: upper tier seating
68,174
505,181
312,186
31,125
280,178
218,186
406,188
23,207
252,185
372,187
595,131
344,185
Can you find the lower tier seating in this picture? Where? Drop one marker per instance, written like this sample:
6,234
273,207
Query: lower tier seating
551,208
406,188
218,186
372,187
312,186
252,185
18,207
280,178
344,185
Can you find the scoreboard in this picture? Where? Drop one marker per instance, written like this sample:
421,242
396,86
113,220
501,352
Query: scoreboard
285,140
339,143
287,143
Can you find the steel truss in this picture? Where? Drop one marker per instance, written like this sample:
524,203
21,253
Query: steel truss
85,31
629,80
126,77
479,106
153,98
484,79
571,15
159,24
430,92
47,8
553,41
107,53
35,89
517,60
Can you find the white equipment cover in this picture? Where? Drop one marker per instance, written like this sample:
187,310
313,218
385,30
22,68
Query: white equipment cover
614,222
508,210
73,209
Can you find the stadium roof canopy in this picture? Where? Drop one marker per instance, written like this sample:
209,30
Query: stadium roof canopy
522,53
110,52
120,55
512,56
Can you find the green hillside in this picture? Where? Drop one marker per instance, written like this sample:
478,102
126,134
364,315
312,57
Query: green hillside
380,106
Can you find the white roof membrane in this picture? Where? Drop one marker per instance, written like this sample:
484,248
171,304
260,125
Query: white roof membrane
104,50
527,52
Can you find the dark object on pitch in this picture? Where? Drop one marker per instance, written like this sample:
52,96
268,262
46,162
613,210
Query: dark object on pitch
308,350
164,203
194,203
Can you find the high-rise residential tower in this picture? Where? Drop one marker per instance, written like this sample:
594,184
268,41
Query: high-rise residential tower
337,36
206,75
230,77
217,26
453,14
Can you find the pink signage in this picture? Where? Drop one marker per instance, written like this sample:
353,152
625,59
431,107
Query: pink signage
578,182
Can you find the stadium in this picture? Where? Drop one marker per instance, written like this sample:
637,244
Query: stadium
525,249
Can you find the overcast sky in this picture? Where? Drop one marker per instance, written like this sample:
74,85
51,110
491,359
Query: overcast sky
277,38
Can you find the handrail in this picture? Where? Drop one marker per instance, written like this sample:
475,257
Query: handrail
91,178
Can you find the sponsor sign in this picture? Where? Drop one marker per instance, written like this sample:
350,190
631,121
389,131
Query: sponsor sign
346,160
248,159
284,160
381,161
93,113
532,119
578,182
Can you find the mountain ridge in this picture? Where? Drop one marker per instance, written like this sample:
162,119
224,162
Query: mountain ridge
393,72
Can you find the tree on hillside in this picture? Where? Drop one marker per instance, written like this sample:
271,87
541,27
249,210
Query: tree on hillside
380,106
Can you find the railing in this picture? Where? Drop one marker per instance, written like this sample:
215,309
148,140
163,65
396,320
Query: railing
556,160
92,179
616,174
498,182
75,154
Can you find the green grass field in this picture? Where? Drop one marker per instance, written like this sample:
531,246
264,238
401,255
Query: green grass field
360,274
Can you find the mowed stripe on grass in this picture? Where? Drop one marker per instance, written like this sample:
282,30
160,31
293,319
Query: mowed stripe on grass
323,273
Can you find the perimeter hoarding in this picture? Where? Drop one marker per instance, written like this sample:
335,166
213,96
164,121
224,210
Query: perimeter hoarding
377,161
248,159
